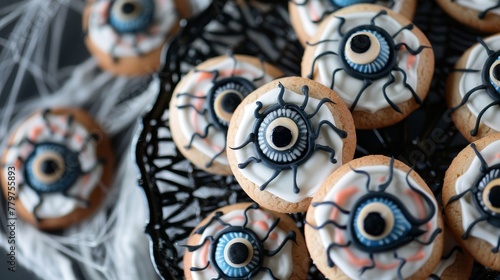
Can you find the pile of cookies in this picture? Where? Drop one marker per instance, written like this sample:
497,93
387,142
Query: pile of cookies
290,144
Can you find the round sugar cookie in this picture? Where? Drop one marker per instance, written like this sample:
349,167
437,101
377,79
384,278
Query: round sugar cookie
204,101
58,166
472,201
126,36
306,15
243,241
473,90
482,15
376,60
374,218
285,139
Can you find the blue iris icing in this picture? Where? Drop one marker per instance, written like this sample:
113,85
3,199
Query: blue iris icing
495,78
225,262
281,136
345,3
36,166
399,230
379,63
131,16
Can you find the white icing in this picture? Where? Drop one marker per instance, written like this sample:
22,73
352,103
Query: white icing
54,204
398,187
280,264
449,245
480,99
105,38
479,5
482,230
318,164
312,10
192,84
347,86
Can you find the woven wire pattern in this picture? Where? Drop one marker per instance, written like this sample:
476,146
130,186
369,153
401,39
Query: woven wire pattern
177,191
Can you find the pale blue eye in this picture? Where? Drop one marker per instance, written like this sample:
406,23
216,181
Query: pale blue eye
367,51
345,3
52,168
131,16
238,254
380,224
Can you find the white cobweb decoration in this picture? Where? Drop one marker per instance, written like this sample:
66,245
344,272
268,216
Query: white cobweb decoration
43,63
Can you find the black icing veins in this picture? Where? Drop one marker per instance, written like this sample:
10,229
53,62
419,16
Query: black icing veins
371,238
485,86
280,152
221,100
391,65
482,14
53,167
244,258
486,203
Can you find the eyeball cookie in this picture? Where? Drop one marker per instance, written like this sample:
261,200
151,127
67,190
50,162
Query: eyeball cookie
482,15
473,90
204,101
374,218
58,166
285,139
306,15
126,36
455,263
243,241
375,60
471,194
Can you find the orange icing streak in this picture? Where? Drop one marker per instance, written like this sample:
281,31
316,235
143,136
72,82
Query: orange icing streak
341,196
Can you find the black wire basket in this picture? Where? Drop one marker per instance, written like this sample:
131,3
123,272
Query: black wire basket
427,140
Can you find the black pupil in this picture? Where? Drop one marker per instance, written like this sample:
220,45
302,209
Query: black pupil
230,101
360,43
128,8
374,224
496,72
281,136
238,253
49,167
494,196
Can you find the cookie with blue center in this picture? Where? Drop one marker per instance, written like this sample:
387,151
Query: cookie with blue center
57,167
306,15
482,15
284,140
471,198
377,61
473,90
245,241
374,218
126,36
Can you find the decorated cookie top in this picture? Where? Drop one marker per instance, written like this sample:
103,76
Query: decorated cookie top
127,28
376,222
370,57
56,163
242,244
205,99
478,192
479,85
312,12
287,142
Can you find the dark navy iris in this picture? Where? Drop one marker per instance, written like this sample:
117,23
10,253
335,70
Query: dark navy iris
237,254
52,168
131,16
